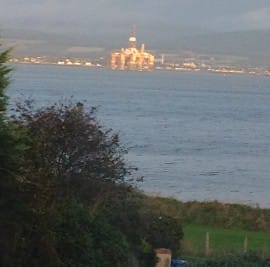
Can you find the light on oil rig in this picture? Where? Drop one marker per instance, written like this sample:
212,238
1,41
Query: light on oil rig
131,58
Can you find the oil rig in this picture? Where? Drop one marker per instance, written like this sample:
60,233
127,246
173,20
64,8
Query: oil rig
132,58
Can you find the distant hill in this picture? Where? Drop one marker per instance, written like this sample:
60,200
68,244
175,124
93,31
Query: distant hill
252,46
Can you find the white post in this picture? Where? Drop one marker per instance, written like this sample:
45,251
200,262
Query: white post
245,244
207,244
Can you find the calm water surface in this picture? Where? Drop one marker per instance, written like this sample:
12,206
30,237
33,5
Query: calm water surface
194,136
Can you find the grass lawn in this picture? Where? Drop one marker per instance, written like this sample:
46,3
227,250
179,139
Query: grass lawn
223,241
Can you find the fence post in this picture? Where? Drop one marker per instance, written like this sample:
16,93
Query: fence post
207,244
245,244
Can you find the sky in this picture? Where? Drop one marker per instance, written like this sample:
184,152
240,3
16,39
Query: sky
101,19
220,15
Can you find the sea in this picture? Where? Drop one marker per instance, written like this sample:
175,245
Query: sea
192,136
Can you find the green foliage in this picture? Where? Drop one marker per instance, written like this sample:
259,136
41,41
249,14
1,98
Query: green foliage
213,213
228,225
145,246
162,231
5,136
222,240
4,79
69,152
70,162
84,239
13,209
112,247
72,230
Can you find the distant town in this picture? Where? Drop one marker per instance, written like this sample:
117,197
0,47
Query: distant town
131,58
187,65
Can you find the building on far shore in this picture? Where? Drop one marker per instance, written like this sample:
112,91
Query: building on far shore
132,58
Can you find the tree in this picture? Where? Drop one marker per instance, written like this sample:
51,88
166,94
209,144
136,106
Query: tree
12,209
8,184
5,136
67,140
146,229
70,158
4,80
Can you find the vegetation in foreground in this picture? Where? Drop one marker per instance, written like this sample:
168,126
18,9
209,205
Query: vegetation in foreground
213,213
229,226
223,241
63,196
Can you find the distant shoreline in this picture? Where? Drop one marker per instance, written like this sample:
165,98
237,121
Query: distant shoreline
157,69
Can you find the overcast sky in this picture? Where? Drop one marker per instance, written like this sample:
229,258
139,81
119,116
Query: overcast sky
154,17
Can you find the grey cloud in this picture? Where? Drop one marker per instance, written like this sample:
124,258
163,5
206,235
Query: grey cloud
155,19
256,19
250,20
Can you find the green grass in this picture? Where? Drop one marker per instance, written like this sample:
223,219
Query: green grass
227,224
213,213
223,240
